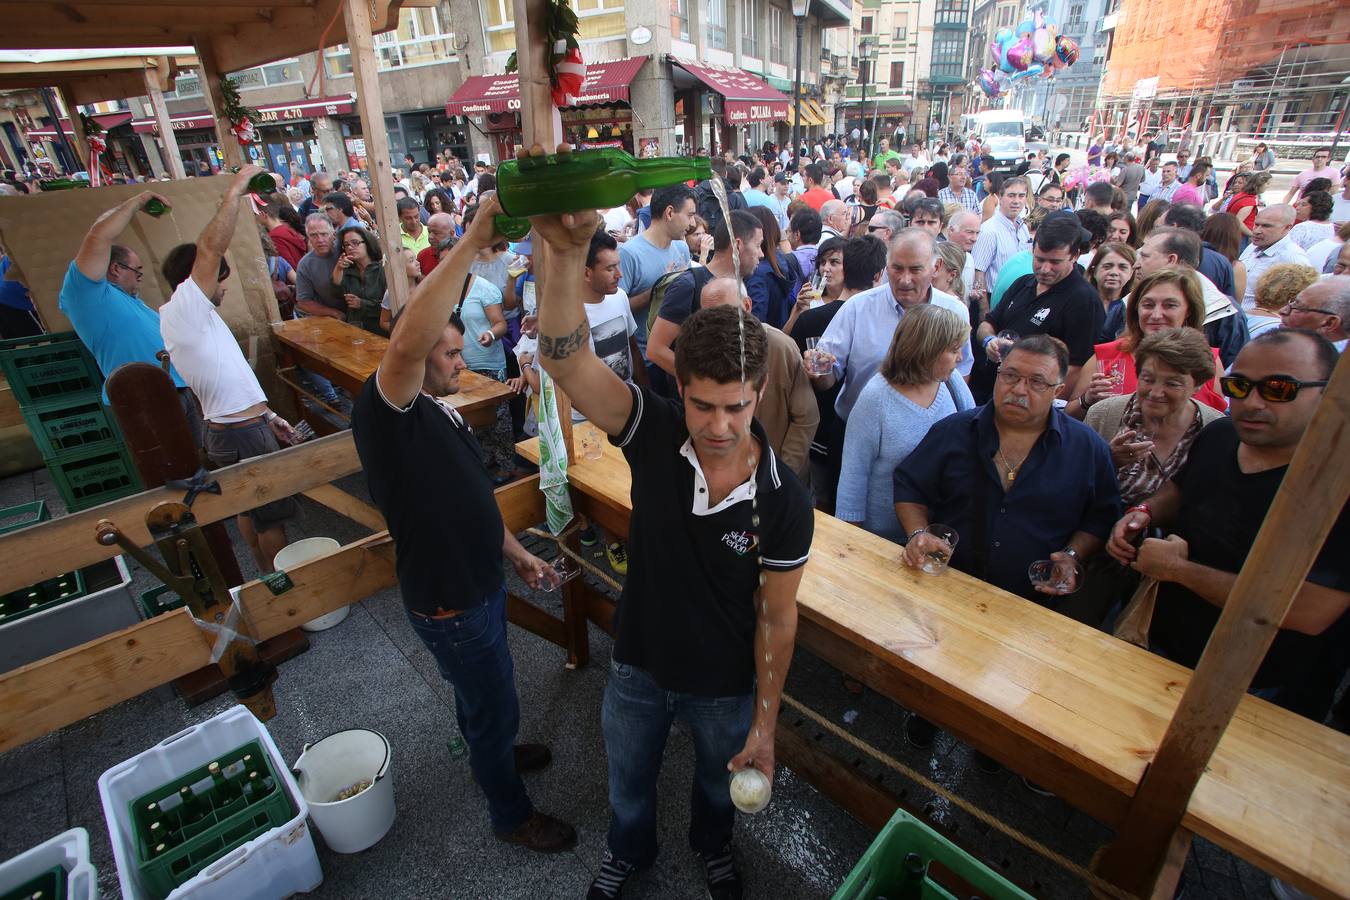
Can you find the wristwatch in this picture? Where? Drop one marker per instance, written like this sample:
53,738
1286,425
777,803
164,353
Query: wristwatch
916,531
1069,551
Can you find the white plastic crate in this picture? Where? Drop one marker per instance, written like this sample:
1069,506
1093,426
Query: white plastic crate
107,607
69,850
273,865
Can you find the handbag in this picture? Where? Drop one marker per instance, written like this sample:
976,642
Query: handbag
1133,623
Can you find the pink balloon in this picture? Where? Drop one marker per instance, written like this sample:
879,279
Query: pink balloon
1021,54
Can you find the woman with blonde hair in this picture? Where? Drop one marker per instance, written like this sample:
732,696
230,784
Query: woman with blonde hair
951,261
1169,298
1277,287
917,385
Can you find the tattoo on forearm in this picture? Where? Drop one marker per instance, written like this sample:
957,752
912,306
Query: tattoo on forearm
563,347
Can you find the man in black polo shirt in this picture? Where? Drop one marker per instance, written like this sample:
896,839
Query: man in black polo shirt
1214,506
719,532
426,474
1055,299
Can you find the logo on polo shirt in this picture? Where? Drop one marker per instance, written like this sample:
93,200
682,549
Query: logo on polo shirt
1041,315
742,542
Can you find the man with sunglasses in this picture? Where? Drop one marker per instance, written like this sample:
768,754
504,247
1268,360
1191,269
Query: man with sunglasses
239,424
101,297
1214,506
1322,307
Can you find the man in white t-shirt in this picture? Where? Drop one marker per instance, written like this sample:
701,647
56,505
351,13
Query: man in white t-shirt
239,424
609,314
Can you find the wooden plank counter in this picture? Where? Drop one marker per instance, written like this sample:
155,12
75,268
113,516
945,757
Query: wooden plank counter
1073,708
347,355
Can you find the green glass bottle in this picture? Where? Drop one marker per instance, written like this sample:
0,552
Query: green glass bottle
62,184
262,183
226,790
155,207
584,179
912,878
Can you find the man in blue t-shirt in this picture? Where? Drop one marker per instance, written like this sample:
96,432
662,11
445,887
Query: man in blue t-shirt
656,251
17,317
100,298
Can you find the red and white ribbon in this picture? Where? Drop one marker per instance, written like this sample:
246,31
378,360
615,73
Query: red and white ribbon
571,69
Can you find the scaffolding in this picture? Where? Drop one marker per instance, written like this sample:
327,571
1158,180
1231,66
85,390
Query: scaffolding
1244,71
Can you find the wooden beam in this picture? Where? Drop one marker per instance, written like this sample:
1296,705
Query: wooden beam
215,103
369,104
44,551
77,135
173,160
343,503
1309,502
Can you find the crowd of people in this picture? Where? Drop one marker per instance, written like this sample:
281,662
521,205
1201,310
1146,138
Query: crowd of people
1111,377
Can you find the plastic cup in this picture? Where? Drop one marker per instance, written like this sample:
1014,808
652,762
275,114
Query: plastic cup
818,363
1059,576
567,569
935,561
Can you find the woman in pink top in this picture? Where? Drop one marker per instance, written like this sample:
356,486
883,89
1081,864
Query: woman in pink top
1169,298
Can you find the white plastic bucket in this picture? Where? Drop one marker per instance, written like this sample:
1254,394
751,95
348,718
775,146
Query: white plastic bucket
336,763
304,551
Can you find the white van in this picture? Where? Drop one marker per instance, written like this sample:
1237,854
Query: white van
1002,133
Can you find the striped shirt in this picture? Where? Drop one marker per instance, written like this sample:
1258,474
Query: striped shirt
1257,261
966,198
1000,238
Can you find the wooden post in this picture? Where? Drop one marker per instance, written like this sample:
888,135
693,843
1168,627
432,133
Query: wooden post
230,148
153,89
356,14
78,137
541,123
1310,499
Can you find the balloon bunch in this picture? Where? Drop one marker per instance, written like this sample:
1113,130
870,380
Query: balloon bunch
1033,49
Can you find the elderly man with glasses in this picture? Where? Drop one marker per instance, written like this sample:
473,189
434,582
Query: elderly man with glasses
1322,307
1212,509
101,297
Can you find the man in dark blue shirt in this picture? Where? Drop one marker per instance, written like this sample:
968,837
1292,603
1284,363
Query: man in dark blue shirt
1019,480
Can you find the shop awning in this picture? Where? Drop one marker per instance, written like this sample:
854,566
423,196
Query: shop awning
812,114
606,82
267,114
107,120
746,97
887,107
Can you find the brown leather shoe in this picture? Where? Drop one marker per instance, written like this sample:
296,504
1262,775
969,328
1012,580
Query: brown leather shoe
543,834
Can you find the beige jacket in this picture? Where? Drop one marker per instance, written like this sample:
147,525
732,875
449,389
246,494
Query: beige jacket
788,412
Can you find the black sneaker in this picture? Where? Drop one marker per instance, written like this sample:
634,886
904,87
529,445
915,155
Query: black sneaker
542,834
532,757
724,882
608,882
919,732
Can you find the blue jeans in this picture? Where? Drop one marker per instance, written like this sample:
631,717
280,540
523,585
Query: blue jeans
322,387
472,654
637,715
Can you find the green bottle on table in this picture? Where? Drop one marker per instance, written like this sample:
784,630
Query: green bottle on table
583,179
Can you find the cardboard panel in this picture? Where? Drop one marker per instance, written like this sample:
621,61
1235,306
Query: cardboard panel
42,233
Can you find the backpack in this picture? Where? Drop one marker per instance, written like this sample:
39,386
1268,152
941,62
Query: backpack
705,202
659,292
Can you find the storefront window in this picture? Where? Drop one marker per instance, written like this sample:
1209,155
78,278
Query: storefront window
287,71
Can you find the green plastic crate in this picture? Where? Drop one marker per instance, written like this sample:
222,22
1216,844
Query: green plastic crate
159,600
51,884
48,367
224,826
12,518
85,424
41,596
94,476
880,871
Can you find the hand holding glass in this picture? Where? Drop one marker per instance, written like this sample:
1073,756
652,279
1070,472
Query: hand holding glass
933,548
564,569
1056,576
818,362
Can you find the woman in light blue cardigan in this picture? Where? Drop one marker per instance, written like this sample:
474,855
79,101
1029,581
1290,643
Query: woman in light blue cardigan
917,385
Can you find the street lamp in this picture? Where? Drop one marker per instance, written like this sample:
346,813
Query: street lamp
799,10
866,52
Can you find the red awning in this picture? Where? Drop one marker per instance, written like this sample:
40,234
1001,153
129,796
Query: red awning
606,82
267,114
746,98
107,120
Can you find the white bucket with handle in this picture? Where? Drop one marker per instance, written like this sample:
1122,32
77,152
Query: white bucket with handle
304,551
335,764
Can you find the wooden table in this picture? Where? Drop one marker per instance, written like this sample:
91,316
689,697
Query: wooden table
347,355
1073,708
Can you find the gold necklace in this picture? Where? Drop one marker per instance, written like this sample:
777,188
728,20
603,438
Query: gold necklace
1011,470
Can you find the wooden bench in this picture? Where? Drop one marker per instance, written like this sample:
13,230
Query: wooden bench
1071,707
347,355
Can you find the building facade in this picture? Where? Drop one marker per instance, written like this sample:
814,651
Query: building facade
1244,71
